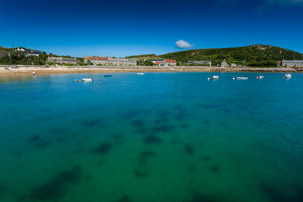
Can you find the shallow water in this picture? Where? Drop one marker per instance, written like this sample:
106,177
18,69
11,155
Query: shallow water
157,137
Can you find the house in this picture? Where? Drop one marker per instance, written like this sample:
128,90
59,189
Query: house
132,62
20,49
170,63
158,62
224,64
233,65
62,60
97,60
29,52
117,61
164,62
32,53
292,63
111,61
202,63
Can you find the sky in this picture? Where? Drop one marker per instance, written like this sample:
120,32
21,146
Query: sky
131,27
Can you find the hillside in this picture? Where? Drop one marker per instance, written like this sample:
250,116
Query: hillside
255,55
146,56
25,56
11,56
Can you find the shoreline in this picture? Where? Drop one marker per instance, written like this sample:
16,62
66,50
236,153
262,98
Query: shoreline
28,70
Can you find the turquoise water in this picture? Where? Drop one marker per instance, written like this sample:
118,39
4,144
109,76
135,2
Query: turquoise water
158,137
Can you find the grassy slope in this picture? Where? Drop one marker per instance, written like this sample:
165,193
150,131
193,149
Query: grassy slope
240,55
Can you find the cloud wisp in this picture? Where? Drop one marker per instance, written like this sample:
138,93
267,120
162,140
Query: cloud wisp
181,44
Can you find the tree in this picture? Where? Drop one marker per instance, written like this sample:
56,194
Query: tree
88,62
148,63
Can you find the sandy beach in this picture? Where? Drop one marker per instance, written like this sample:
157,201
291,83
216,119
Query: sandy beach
6,71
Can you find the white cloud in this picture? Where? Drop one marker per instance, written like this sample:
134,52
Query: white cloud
183,44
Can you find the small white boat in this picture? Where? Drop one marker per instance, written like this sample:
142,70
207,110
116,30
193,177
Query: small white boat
260,77
242,78
287,76
140,73
87,79
215,77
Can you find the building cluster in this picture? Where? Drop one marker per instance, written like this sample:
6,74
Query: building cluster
111,61
62,60
203,63
29,52
161,63
292,63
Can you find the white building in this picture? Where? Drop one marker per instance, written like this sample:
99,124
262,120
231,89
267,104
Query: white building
203,63
292,63
132,62
62,60
164,63
97,60
111,61
20,49
170,63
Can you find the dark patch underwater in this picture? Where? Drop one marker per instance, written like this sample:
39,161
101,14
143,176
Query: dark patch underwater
143,156
93,123
56,188
151,139
102,149
125,198
189,149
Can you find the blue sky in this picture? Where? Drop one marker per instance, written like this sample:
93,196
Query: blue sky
130,27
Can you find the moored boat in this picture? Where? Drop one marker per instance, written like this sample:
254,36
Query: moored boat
214,77
260,77
87,79
287,76
140,73
242,78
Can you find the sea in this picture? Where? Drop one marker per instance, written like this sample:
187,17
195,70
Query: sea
157,137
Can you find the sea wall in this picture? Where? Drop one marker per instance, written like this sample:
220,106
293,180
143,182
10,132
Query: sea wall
22,69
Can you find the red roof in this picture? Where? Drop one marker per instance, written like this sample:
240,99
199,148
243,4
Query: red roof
158,63
170,61
95,58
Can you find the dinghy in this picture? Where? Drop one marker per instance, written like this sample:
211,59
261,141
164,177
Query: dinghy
287,76
215,77
242,78
87,79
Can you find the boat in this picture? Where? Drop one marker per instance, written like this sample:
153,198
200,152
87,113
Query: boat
87,79
215,77
108,75
242,78
260,77
287,76
140,73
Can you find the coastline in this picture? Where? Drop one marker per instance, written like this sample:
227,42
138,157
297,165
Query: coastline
28,70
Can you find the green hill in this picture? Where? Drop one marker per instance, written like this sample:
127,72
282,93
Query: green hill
146,56
255,55
11,56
